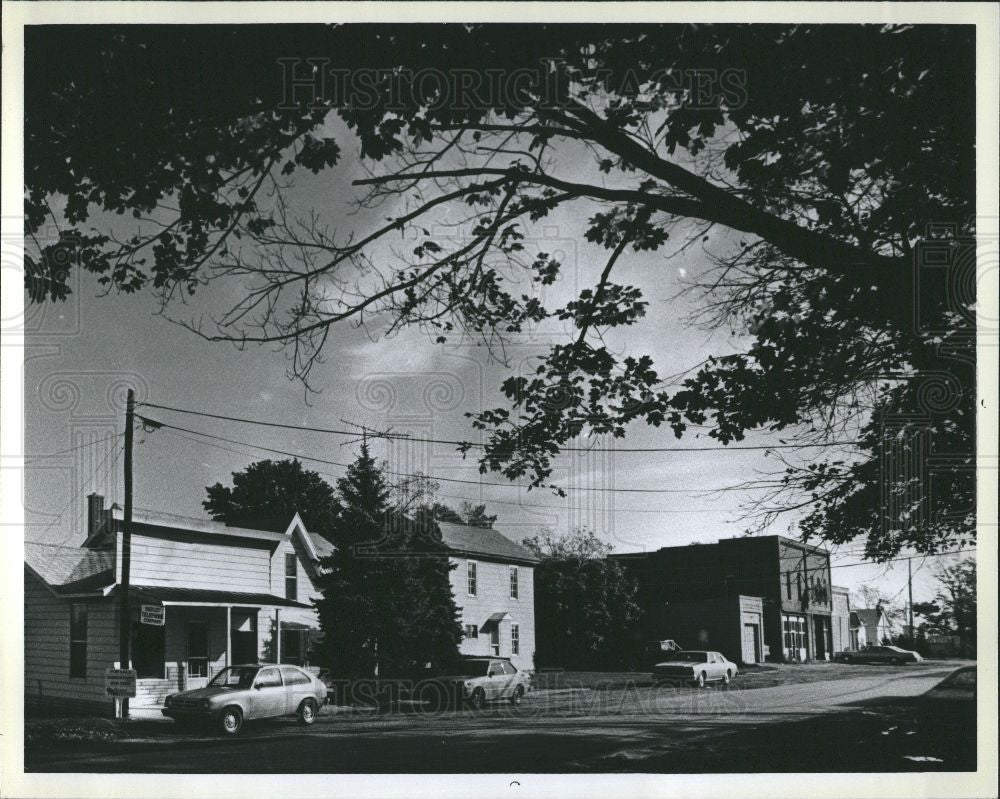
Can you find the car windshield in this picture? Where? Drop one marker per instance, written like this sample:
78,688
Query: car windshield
234,677
690,657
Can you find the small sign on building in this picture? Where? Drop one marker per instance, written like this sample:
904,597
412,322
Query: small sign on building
119,683
152,614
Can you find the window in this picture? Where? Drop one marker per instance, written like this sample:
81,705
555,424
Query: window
798,585
268,678
78,639
515,639
472,578
788,584
148,650
197,648
794,634
294,676
292,646
291,576
471,631
513,582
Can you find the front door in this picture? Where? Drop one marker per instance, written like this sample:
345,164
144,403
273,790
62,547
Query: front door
820,630
495,640
750,644
197,655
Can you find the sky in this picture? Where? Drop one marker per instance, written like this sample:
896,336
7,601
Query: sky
81,355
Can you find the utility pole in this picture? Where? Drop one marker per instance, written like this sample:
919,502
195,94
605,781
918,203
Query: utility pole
124,628
909,585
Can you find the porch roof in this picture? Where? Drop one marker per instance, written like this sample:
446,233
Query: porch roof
169,595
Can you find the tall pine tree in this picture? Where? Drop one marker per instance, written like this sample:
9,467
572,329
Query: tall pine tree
386,602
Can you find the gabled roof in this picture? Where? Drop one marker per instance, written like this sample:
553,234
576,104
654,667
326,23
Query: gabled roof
463,539
69,569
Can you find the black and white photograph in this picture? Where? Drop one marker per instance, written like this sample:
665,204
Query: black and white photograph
515,399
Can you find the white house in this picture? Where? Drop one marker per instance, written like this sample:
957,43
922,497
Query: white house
494,587
224,594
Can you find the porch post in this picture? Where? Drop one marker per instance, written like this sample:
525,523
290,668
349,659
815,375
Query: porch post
229,635
277,635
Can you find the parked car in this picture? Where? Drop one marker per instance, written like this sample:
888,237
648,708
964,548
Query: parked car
658,651
881,654
238,694
695,668
476,681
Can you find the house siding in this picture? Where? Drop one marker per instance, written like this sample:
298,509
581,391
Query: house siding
47,684
493,596
174,559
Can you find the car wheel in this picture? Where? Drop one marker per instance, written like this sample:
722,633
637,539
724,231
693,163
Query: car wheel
231,720
517,696
727,678
307,711
700,681
478,699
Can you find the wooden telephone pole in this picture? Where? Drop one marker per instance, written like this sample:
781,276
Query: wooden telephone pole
124,616
909,585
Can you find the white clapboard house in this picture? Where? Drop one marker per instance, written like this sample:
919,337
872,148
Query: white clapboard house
203,595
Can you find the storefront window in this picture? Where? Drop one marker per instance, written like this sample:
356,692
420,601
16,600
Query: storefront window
794,633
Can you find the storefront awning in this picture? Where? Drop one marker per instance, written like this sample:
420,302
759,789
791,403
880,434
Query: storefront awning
168,595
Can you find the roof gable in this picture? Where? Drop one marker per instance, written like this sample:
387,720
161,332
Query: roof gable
486,542
70,568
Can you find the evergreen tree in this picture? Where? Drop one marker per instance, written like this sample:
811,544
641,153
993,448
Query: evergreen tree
386,602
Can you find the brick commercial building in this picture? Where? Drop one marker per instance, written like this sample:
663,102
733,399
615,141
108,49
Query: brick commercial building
789,579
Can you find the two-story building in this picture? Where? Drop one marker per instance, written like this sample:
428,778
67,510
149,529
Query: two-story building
494,586
202,595
779,590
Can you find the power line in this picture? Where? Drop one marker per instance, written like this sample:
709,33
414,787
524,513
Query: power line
98,470
72,449
155,423
467,444
905,557
491,501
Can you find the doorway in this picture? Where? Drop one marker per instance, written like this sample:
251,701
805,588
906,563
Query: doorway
243,637
751,643
197,654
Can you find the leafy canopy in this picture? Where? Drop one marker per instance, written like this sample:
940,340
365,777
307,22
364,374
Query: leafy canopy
840,159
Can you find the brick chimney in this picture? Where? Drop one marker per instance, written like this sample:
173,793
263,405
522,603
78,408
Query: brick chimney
95,514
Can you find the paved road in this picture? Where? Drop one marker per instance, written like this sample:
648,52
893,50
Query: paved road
623,729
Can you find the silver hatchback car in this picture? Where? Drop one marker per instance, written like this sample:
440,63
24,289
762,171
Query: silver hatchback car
255,691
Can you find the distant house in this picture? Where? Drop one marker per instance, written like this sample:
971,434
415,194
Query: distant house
202,595
494,587
875,625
